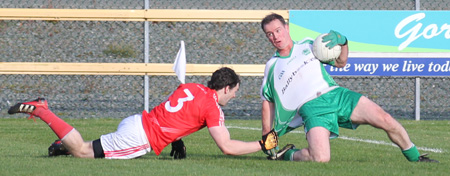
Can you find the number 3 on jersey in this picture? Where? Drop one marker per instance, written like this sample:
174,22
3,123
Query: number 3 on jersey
176,108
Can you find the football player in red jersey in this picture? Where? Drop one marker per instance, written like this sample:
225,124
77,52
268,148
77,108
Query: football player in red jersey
188,109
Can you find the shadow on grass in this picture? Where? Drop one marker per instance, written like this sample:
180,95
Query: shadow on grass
195,156
168,157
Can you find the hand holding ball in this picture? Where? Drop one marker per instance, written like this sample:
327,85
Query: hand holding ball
322,52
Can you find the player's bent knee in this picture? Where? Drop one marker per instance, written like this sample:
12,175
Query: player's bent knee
321,158
82,154
389,123
85,151
384,121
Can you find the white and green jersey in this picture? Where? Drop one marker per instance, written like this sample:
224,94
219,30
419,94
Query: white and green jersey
291,81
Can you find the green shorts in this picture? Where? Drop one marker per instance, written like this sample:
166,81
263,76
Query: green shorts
331,110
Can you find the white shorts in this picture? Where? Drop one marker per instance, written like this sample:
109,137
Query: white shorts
129,141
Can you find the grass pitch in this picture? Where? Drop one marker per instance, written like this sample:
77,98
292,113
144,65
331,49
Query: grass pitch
365,151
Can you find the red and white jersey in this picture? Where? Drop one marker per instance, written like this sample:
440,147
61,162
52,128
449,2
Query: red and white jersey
190,108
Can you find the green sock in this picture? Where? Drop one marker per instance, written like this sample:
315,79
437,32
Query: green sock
289,155
412,154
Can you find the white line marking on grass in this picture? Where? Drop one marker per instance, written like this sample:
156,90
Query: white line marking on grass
352,139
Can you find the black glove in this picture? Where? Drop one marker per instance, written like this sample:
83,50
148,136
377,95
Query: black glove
178,150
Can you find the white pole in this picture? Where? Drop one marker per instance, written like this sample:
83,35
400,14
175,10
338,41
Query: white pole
417,4
146,59
417,82
417,99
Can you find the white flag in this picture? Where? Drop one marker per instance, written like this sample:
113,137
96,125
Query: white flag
180,63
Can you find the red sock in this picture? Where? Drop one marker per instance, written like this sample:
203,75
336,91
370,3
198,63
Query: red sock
58,125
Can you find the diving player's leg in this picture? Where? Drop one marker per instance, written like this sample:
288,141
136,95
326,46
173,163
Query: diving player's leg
39,108
77,147
71,138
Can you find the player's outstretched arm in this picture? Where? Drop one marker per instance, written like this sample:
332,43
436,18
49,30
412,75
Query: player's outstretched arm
268,109
221,136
